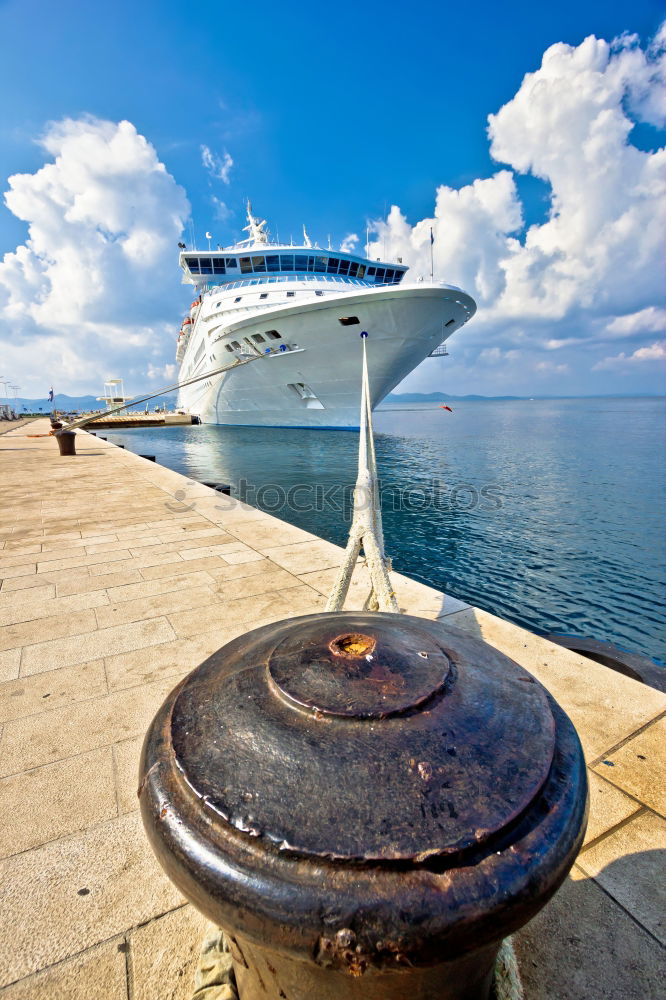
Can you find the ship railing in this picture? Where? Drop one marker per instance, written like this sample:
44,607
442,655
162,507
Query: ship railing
337,279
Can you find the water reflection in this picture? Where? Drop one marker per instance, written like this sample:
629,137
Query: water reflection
546,512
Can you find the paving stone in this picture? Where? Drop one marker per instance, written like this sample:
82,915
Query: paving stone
52,689
96,974
152,607
608,807
104,642
82,726
164,955
242,556
40,592
28,633
305,557
54,565
10,660
104,880
639,766
32,610
52,801
126,757
629,865
151,588
299,600
170,659
88,584
178,567
583,946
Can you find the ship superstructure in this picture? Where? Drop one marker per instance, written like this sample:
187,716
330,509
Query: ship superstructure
299,311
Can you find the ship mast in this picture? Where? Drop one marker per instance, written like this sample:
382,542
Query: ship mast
256,230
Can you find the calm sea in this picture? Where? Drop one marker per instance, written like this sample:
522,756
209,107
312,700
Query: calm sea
547,513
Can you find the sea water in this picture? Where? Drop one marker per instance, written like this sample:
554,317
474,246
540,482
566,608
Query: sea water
546,512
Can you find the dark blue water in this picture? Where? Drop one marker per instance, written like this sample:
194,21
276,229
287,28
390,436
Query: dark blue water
547,513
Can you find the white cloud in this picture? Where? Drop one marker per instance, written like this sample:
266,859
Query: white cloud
650,320
349,243
221,210
642,355
592,270
217,167
94,287
165,373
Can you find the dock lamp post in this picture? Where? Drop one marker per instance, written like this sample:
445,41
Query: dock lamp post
5,383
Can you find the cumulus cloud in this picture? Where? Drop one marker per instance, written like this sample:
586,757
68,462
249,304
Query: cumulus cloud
94,287
349,243
654,352
218,167
589,272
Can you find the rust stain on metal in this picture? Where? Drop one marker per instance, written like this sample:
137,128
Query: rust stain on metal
352,645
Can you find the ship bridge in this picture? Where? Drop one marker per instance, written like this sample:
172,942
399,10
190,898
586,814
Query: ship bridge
219,267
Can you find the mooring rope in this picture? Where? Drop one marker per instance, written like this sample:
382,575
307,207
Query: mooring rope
366,531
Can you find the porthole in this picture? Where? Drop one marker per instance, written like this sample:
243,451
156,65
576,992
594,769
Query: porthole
349,320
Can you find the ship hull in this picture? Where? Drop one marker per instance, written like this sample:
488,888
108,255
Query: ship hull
315,381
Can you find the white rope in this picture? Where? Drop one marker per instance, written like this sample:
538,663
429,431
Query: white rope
366,528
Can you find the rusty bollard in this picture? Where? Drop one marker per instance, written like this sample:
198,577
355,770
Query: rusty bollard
66,442
367,804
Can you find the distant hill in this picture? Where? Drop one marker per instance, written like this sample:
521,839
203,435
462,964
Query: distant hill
438,397
68,403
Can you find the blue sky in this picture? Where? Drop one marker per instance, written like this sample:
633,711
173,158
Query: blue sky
331,115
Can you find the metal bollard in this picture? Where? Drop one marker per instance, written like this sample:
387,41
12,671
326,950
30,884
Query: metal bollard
367,804
149,458
66,442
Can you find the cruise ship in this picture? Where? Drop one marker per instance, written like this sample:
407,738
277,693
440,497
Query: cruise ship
297,312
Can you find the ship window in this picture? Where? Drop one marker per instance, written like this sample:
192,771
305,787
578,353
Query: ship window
379,274
371,271
238,298
349,320
231,262
218,265
389,275
259,263
245,265
344,266
353,268
264,295
332,265
273,334
300,262
361,271
193,264
258,339
287,261
205,265
234,343
319,293
228,347
320,263
273,263
290,295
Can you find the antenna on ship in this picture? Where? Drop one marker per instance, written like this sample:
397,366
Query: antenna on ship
306,239
256,230
329,242
209,237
